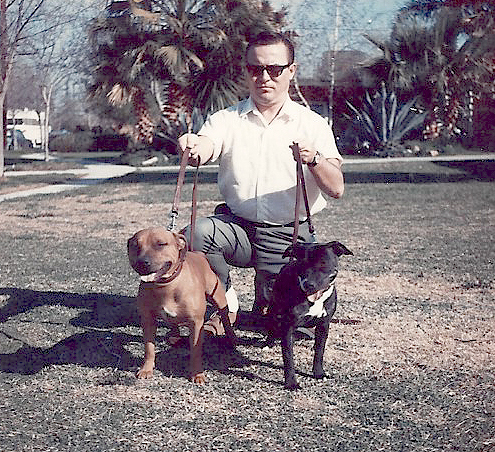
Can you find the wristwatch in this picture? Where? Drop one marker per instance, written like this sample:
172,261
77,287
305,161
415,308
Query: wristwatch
315,161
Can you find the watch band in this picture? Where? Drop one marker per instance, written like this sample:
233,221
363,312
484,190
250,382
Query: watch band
316,160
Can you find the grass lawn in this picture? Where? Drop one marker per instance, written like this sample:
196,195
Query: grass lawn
416,372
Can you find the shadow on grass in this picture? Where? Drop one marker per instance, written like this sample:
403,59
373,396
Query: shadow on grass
102,344
479,171
204,177
471,170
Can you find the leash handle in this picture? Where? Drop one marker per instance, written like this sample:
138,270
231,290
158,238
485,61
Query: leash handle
178,189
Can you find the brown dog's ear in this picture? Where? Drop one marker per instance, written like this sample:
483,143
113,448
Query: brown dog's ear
129,242
339,249
181,244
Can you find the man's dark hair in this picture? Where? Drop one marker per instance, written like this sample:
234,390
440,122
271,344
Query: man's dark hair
268,37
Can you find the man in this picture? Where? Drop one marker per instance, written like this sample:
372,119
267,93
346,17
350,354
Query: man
254,142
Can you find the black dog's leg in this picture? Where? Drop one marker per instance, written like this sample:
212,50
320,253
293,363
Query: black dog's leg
321,335
287,344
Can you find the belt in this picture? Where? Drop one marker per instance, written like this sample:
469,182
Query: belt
225,209
269,225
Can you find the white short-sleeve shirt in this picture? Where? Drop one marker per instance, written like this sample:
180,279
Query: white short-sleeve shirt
257,171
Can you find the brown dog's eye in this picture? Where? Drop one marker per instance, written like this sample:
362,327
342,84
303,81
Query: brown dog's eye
161,244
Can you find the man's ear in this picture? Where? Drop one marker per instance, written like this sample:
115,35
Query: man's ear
293,70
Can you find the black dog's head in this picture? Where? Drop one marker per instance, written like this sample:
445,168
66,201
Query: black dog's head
317,264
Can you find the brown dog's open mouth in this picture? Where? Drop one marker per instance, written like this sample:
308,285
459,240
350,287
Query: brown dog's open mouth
165,273
149,278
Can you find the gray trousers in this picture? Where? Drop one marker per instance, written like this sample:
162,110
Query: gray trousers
228,240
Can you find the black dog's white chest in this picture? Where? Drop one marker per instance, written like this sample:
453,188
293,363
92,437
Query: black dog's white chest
317,307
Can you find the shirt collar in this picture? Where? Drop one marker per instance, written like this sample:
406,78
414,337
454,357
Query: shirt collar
287,112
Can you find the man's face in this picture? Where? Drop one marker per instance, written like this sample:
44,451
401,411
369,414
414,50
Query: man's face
268,91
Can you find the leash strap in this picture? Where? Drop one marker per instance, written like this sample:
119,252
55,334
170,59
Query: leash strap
300,187
194,206
178,189
306,202
298,201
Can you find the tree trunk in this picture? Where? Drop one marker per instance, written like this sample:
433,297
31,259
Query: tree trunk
3,77
299,92
2,129
47,97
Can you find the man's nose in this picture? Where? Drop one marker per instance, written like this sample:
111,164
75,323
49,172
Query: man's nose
264,75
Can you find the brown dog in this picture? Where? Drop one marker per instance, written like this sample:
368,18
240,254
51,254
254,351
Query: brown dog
175,285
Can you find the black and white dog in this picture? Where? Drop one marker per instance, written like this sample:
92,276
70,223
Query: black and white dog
304,295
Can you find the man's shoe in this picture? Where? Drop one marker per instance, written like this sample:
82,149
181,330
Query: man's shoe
214,325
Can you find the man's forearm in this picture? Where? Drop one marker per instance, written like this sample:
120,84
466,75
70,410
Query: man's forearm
329,177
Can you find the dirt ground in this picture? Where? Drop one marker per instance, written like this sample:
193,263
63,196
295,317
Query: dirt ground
413,371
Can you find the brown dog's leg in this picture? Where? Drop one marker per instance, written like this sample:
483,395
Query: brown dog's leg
196,345
146,370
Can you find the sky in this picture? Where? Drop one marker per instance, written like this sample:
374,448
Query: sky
314,22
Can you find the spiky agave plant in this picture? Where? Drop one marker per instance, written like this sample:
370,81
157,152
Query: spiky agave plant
383,123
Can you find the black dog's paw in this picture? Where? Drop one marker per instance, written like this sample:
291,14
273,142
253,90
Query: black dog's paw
320,376
292,386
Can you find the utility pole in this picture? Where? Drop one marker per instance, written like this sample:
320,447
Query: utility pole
3,77
332,62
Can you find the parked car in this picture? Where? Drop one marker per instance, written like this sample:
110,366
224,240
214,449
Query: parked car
22,141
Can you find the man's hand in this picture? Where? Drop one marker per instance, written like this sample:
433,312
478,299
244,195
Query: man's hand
189,143
327,173
199,148
306,155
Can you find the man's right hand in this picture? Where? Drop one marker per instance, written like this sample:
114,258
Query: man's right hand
189,143
199,148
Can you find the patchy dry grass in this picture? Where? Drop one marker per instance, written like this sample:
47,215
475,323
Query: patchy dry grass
415,374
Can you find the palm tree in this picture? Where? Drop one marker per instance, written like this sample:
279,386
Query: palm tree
442,49
174,57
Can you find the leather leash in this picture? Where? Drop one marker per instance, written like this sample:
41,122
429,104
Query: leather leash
174,213
300,187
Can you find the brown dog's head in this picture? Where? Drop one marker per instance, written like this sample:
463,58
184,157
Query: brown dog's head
153,252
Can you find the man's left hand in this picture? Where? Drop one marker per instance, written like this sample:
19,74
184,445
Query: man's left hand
306,155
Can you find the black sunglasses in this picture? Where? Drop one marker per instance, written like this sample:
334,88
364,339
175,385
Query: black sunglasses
274,70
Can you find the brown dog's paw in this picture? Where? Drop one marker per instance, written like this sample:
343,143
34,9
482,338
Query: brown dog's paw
199,379
144,373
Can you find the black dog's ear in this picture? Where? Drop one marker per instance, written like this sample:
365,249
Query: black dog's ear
340,249
288,252
301,251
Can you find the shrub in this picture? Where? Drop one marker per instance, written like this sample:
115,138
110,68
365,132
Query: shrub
80,141
382,124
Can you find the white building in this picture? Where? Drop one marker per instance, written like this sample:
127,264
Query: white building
29,122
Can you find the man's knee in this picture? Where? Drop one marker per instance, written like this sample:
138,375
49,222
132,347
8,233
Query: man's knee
203,231
263,282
